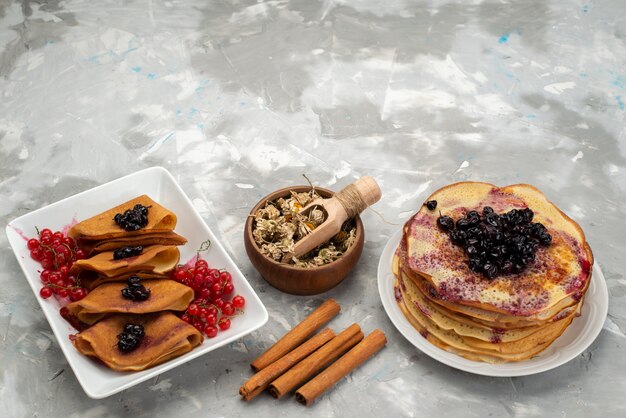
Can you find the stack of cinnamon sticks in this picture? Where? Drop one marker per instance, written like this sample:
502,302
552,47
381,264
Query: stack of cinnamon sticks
293,360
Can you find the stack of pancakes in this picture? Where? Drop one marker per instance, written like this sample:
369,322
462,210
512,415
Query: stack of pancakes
105,311
510,318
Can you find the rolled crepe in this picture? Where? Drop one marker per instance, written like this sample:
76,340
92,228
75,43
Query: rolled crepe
165,295
166,337
103,227
158,259
90,280
158,238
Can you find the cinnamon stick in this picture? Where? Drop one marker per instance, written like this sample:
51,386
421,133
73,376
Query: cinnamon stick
324,313
316,361
260,381
373,343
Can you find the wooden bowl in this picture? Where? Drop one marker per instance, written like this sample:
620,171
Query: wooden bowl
299,280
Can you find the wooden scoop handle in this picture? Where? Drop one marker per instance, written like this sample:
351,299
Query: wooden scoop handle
368,189
369,192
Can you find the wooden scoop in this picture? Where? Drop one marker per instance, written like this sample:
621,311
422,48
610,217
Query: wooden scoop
346,204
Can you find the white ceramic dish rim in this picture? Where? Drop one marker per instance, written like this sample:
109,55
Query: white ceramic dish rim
59,326
579,335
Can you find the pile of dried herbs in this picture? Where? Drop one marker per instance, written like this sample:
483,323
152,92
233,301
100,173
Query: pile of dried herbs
279,225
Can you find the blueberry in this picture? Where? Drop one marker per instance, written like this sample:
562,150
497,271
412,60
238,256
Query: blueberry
458,237
132,219
445,223
462,223
490,270
431,204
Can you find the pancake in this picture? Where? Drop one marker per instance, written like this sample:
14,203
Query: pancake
100,233
166,337
510,317
158,259
522,344
90,280
486,352
560,271
157,238
102,226
106,300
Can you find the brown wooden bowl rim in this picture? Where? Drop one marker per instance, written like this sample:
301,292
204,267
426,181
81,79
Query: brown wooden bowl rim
281,193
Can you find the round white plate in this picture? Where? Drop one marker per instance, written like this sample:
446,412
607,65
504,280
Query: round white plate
576,338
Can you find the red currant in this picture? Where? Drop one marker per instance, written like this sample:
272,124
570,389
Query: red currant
214,274
216,288
47,264
225,276
80,254
192,309
78,293
45,276
45,239
36,254
58,235
45,292
205,293
64,271
198,279
62,293
69,242
202,312
186,318
228,288
239,301
201,263
32,244
45,231
201,270
199,325
210,331
219,303
180,275
210,319
212,310
228,309
224,324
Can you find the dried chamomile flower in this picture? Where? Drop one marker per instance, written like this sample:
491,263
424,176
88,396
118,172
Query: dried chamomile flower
279,225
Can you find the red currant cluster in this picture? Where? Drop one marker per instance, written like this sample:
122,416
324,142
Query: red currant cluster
211,310
56,253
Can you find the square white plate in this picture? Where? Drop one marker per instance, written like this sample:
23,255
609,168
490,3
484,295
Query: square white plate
97,380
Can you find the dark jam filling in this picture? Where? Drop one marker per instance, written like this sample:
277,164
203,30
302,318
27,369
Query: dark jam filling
130,338
126,252
133,219
497,244
135,290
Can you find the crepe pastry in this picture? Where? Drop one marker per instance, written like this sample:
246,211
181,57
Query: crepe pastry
90,280
102,233
166,337
156,261
165,295
511,317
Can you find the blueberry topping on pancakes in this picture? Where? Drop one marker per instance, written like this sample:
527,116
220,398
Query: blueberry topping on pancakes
497,244
130,338
133,219
126,252
135,290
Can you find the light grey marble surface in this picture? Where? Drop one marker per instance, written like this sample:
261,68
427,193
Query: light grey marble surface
240,98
